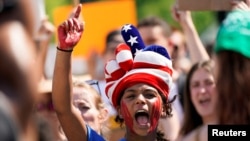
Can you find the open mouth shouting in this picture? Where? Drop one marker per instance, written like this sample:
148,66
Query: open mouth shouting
142,118
205,101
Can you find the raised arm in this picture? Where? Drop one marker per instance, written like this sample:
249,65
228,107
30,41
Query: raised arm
243,5
196,48
69,34
43,38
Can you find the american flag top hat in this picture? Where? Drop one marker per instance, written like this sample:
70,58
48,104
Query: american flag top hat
136,63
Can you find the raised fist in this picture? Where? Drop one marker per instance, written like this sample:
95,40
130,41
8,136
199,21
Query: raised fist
70,31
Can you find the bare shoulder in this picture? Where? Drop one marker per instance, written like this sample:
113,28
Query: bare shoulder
199,134
203,133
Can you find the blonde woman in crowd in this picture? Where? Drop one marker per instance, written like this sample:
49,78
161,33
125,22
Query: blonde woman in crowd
90,105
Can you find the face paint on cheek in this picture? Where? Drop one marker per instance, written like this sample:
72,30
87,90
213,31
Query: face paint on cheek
155,115
126,116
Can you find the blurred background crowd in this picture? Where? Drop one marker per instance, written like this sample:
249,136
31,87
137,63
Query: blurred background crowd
29,43
138,9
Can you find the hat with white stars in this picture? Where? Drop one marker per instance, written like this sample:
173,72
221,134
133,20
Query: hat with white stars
132,38
135,64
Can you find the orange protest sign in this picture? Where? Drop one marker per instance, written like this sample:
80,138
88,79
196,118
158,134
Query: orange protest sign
100,18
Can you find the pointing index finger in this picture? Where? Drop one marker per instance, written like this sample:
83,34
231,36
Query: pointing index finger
78,11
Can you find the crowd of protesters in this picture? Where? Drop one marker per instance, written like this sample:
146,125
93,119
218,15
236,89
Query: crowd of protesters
152,82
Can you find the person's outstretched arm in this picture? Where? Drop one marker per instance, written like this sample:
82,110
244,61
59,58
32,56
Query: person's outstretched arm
44,35
69,34
196,49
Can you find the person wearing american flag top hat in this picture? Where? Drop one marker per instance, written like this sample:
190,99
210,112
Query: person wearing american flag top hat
155,30
138,83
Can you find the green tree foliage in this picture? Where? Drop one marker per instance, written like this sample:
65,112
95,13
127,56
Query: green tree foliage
162,8
51,4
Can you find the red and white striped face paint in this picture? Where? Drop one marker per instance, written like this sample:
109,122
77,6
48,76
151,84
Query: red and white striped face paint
156,112
141,108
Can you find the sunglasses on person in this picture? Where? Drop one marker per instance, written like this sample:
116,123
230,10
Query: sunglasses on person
95,85
49,105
